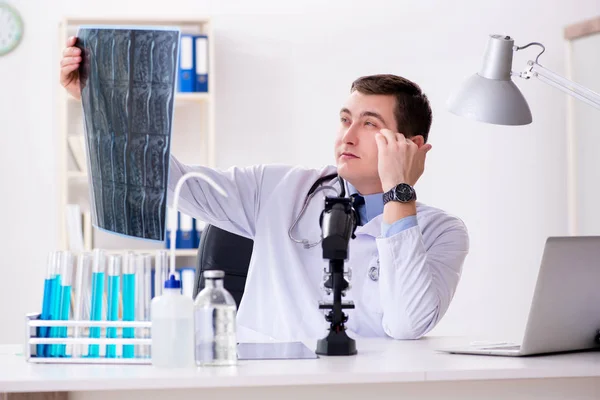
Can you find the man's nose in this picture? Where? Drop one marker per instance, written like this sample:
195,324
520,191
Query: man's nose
351,135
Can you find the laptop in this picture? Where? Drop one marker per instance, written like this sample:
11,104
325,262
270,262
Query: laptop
565,310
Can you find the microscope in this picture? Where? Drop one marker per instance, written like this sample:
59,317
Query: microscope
338,222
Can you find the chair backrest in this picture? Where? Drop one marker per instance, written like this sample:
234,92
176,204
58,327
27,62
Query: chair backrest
225,251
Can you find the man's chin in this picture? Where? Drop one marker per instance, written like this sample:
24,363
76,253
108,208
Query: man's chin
342,169
345,173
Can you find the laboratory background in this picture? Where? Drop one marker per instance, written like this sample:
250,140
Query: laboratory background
279,72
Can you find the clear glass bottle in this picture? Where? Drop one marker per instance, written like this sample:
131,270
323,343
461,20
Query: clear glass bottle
215,313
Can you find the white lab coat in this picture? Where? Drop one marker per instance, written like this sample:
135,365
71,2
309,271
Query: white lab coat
419,268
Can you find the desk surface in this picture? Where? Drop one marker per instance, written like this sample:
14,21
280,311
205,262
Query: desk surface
378,360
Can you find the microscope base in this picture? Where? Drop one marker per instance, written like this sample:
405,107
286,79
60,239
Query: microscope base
336,344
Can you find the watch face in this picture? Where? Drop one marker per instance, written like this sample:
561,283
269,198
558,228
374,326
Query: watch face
404,192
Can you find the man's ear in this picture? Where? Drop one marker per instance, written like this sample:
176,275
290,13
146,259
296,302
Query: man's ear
418,140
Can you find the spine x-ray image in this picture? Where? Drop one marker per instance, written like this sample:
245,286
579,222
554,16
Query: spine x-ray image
128,80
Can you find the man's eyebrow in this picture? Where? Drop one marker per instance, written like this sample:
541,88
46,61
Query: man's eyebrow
374,115
365,114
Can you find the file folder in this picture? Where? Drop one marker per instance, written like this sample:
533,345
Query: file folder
187,232
201,62
172,224
186,78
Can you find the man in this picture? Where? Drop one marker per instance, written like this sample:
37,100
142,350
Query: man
406,259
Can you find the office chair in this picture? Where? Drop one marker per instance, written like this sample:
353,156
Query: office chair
225,251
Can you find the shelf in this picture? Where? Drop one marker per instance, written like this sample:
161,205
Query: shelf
178,252
192,97
186,252
74,20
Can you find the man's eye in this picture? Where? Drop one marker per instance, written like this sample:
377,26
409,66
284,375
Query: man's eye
343,119
369,123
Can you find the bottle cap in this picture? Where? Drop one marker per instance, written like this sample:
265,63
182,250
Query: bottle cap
172,283
214,274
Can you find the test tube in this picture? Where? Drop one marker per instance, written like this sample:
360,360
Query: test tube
147,299
43,331
147,286
129,301
112,312
81,307
55,306
66,272
161,266
98,270
143,279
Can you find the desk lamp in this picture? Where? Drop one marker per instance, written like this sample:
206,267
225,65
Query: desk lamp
491,96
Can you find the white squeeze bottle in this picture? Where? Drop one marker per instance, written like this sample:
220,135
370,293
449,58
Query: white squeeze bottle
172,317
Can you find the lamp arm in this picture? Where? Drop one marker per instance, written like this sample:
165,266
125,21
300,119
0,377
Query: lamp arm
569,87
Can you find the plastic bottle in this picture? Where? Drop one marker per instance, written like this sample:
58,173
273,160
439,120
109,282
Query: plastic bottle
172,327
215,313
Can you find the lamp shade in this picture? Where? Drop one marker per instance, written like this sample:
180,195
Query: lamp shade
490,95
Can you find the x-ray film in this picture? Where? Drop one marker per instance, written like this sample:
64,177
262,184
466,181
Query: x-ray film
127,88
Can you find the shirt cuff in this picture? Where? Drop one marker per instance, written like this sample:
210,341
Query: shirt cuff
388,230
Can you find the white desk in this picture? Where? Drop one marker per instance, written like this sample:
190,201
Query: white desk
383,369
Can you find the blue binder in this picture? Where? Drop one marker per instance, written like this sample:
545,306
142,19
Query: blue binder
187,232
197,232
186,74
201,62
172,224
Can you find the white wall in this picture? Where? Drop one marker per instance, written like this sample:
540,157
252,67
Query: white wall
284,69
585,64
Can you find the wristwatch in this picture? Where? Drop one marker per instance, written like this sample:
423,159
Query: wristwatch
403,193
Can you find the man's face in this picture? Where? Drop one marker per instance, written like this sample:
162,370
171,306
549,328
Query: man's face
361,117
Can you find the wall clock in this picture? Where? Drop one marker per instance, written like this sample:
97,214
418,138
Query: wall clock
11,28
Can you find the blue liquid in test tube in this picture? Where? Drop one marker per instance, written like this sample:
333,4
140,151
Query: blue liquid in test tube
43,350
129,303
53,349
114,275
66,272
97,300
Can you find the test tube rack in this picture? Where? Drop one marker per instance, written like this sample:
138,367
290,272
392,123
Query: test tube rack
33,323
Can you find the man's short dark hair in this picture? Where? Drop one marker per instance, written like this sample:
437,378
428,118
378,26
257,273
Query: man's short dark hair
412,111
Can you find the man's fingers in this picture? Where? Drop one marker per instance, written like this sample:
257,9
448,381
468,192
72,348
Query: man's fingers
71,51
69,68
389,136
425,148
70,61
71,41
380,140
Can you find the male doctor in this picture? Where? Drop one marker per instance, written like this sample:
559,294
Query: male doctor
406,259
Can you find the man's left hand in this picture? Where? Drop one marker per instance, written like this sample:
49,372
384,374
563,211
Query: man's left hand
401,160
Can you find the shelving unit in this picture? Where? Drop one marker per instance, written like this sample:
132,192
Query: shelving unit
178,252
193,136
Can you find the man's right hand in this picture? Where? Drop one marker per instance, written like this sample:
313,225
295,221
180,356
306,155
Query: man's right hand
69,64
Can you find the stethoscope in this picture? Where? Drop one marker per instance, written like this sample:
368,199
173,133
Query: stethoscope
314,189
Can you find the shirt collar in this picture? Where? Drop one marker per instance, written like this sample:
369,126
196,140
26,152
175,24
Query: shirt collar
373,202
